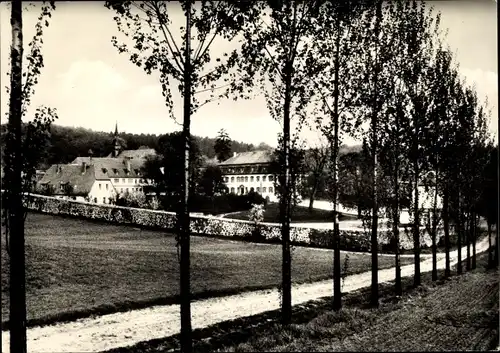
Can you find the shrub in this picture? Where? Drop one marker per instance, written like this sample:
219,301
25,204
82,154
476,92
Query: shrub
257,216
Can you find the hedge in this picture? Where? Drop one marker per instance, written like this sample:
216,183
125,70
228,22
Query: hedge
353,240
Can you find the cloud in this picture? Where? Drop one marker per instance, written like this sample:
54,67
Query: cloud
92,77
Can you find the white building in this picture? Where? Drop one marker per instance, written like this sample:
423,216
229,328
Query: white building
98,180
249,171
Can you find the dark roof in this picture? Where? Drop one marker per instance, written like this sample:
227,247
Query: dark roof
135,154
254,157
107,168
72,174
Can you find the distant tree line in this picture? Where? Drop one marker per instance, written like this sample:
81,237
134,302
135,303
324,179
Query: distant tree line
66,143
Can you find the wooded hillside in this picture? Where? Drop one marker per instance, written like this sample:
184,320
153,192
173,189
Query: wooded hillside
67,143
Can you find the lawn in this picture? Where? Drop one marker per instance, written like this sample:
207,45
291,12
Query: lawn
76,268
459,314
300,214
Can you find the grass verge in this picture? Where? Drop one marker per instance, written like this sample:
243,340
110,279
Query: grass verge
78,268
460,313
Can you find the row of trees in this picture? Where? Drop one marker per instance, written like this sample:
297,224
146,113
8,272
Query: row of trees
345,68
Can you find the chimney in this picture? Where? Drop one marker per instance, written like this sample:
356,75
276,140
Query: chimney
84,167
234,154
128,165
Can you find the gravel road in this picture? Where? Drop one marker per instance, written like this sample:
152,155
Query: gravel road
124,329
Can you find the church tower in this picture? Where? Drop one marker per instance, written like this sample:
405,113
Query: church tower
116,143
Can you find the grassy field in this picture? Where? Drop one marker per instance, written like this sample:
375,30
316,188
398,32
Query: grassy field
77,268
456,314
300,214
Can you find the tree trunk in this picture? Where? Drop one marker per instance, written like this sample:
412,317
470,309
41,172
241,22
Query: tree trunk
434,230
398,286
185,290
286,309
374,237
490,250
311,198
446,225
474,234
15,209
497,259
468,232
337,290
459,235
434,255
416,229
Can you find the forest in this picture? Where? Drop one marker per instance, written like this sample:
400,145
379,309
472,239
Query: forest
66,143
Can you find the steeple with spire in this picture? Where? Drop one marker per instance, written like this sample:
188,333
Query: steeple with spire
116,143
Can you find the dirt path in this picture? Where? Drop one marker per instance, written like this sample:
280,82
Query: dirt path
124,329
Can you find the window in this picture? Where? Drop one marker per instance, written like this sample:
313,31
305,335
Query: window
264,189
123,181
251,178
226,179
103,200
107,186
270,189
135,180
232,179
99,186
126,189
271,179
232,190
263,178
258,189
246,190
246,179
95,199
117,181
258,178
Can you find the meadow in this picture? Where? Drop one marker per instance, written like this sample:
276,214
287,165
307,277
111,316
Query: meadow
78,268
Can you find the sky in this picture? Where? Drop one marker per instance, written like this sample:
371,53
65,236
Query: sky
93,86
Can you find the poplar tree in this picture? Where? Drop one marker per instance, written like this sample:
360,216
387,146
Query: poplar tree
274,51
185,60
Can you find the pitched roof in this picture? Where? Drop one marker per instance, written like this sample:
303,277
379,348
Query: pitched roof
135,154
107,168
72,174
254,157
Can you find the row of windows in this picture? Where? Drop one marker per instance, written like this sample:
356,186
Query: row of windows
107,187
131,181
117,181
264,190
246,170
246,179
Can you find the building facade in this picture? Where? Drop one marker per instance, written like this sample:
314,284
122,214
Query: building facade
96,179
249,171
